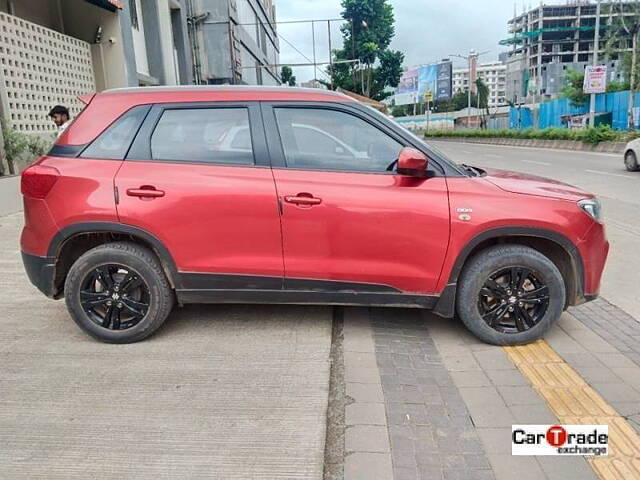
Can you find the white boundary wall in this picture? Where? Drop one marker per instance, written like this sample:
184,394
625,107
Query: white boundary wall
40,68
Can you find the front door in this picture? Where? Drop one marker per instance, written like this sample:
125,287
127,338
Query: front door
348,223
197,177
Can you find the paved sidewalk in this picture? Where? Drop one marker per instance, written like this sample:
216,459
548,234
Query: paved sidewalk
408,420
499,396
436,403
614,325
227,392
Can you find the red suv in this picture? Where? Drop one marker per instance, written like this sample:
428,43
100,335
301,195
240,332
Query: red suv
159,196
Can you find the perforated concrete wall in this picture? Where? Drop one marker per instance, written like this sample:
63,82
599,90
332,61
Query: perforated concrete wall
40,68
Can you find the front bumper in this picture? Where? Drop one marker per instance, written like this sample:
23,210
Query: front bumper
594,249
41,272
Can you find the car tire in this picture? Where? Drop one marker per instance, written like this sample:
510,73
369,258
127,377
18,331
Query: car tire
118,293
485,291
631,161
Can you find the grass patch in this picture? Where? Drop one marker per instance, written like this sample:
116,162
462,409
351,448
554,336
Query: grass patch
603,133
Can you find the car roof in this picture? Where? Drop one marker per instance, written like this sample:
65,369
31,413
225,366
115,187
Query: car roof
230,93
104,107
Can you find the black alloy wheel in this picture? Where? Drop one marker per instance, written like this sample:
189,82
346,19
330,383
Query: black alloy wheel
513,300
118,292
114,296
510,294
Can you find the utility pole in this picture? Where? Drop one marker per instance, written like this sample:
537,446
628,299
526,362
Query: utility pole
315,65
596,51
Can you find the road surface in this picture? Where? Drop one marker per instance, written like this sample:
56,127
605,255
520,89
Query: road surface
229,392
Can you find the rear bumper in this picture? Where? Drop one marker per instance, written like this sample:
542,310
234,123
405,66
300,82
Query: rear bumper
41,271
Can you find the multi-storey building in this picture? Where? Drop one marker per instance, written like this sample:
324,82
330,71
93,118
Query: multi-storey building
51,51
548,40
234,42
493,74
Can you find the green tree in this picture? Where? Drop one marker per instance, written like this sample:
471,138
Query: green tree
401,110
483,93
483,102
442,106
460,101
614,86
366,39
573,88
287,77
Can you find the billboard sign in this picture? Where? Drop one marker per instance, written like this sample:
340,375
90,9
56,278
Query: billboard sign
595,79
444,89
407,91
417,83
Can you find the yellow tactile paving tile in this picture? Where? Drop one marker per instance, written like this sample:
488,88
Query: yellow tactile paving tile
574,402
554,374
537,352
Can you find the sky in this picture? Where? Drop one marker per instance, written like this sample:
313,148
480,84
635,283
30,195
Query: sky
426,30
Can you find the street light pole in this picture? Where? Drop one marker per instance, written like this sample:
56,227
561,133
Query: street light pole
596,51
315,65
330,53
472,54
470,58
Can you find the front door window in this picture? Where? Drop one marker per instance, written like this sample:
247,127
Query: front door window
324,139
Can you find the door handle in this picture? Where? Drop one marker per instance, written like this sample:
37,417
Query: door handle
145,191
303,199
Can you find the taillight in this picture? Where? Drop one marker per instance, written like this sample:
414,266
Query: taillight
38,180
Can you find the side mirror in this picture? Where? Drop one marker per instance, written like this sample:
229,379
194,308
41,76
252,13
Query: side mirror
412,162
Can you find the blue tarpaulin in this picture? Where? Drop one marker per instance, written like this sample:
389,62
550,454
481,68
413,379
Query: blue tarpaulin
550,113
520,117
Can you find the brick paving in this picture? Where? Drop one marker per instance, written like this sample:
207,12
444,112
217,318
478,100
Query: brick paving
431,401
612,324
498,396
431,433
602,343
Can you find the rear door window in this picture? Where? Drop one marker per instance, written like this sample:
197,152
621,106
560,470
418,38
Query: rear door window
203,135
114,142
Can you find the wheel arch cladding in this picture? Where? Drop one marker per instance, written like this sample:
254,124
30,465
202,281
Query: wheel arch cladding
74,240
555,246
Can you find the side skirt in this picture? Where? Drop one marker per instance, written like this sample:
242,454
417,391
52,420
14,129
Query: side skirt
307,297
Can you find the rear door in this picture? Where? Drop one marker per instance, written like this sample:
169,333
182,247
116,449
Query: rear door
198,178
347,222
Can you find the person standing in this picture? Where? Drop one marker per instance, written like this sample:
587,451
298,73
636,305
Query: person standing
60,116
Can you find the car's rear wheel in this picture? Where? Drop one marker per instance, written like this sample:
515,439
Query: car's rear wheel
631,161
118,293
510,295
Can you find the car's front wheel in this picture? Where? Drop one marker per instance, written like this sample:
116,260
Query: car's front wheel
118,293
510,295
631,161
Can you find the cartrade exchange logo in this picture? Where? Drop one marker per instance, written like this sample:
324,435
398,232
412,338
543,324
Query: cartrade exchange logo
590,440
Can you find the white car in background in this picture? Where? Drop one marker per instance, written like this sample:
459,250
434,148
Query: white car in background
631,155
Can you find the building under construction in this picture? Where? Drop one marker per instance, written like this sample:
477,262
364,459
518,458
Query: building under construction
547,41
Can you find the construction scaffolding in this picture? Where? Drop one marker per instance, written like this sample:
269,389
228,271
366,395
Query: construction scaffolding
521,37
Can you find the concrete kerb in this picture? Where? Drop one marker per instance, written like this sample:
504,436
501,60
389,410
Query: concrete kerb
602,147
10,199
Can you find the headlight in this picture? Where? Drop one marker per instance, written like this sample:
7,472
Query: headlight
592,207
